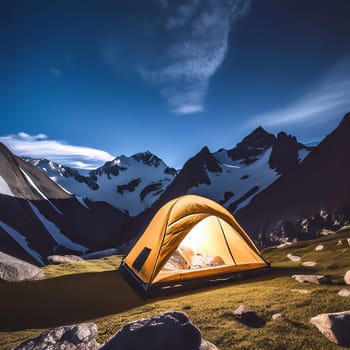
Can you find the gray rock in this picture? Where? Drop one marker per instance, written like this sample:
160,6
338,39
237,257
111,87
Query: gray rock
248,316
334,326
205,345
63,259
169,330
309,263
293,257
319,247
347,277
76,337
16,270
344,292
318,279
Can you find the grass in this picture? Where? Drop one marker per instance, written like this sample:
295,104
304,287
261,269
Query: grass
94,291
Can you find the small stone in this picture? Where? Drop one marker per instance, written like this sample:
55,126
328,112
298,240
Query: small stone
275,317
309,263
319,247
318,279
293,257
344,292
347,277
205,345
63,259
327,232
339,242
248,316
334,326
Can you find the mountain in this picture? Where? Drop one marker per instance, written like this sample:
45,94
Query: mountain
38,217
232,177
130,184
309,197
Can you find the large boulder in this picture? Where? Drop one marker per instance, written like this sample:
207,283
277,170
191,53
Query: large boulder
16,270
63,259
77,337
169,330
334,326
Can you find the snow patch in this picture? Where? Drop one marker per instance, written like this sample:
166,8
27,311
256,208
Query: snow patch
4,188
31,182
55,232
82,202
22,241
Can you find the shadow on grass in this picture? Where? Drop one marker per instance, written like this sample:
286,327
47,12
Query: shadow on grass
81,297
64,300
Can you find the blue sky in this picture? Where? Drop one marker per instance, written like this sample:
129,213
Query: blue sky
84,81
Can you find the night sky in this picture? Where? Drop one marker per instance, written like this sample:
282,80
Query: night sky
83,81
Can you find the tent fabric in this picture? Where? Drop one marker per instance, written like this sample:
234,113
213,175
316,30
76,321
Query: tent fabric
192,228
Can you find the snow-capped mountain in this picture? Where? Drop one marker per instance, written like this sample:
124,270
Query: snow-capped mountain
312,196
130,184
233,177
38,217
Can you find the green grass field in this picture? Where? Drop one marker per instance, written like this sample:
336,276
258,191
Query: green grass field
94,291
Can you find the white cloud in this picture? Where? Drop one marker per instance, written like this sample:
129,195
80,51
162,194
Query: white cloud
328,99
39,146
197,36
188,109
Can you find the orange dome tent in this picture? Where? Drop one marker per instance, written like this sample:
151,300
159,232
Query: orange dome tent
190,239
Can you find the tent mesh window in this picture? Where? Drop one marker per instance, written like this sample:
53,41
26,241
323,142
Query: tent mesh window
142,257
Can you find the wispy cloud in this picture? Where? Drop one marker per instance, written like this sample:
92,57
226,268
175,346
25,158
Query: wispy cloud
39,146
327,99
197,33
56,72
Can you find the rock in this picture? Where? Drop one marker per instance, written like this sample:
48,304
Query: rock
276,317
169,330
309,263
318,279
339,242
16,270
77,337
248,316
347,277
319,247
293,257
344,292
205,345
301,291
63,259
334,326
348,240
327,232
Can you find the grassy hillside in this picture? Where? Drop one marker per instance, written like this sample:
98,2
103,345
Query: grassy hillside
94,291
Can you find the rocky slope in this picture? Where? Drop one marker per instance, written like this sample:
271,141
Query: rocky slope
38,217
309,197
